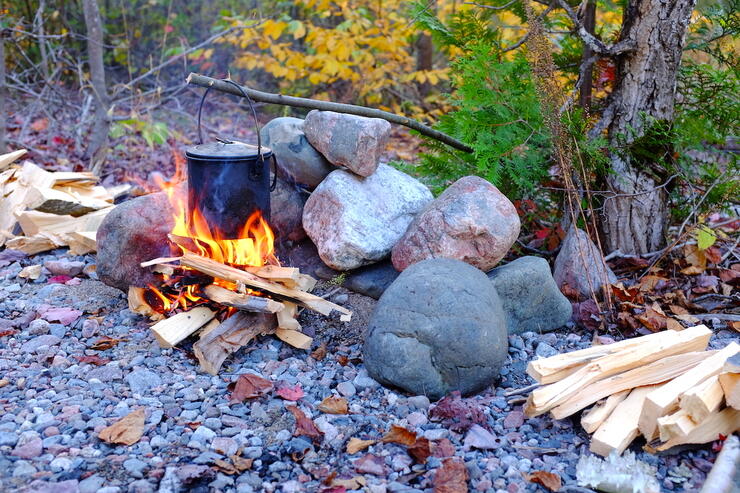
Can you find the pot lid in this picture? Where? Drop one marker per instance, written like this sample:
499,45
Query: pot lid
229,150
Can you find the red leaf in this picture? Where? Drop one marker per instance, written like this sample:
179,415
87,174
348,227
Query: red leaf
168,28
452,477
7,332
59,279
290,393
458,414
541,234
304,425
549,480
40,124
93,360
249,386
420,450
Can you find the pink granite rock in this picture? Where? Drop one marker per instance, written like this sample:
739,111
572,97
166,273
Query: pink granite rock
471,221
348,140
579,267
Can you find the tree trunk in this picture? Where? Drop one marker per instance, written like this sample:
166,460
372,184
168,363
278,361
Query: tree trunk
636,215
424,60
98,145
39,28
589,23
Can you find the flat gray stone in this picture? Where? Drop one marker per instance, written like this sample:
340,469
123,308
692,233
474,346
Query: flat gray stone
40,341
530,297
439,327
579,267
142,380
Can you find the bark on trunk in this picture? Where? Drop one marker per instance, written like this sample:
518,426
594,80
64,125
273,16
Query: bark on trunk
636,215
424,60
589,22
98,146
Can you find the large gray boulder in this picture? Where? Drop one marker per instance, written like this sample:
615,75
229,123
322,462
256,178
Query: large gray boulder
439,327
579,267
355,221
530,297
471,221
353,141
134,232
297,160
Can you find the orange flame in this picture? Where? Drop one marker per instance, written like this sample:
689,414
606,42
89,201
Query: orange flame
253,247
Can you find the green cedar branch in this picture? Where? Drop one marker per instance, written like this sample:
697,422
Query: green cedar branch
351,109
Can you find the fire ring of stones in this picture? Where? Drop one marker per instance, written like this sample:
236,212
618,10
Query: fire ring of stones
441,325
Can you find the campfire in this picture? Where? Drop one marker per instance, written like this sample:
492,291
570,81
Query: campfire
225,279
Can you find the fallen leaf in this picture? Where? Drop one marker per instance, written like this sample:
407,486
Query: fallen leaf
304,425
673,324
480,438
290,393
696,259
713,254
730,276
32,272
93,360
625,320
59,279
652,283
420,450
105,343
630,294
355,483
334,405
40,124
370,464
653,318
549,480
342,359
735,325
400,435
320,352
456,413
443,448
587,314
706,284
249,386
690,319
126,431
678,310
64,316
452,477
356,445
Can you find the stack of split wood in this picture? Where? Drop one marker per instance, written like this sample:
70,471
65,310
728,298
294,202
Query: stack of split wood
52,209
665,386
271,308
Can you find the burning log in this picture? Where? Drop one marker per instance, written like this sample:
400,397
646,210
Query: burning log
244,302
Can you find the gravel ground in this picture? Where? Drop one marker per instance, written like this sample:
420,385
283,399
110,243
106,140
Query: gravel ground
53,406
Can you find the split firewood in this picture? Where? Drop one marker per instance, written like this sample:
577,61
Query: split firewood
42,242
671,343
276,273
287,317
295,338
57,202
657,372
620,428
245,302
217,344
555,368
674,425
730,383
664,399
32,272
723,476
35,222
702,400
82,242
591,420
227,273
724,422
137,304
173,330
11,157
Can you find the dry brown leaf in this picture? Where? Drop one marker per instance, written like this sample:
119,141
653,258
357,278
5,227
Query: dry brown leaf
334,405
673,324
400,435
678,310
355,483
249,386
452,477
653,318
420,450
105,343
320,352
126,431
688,319
696,259
549,480
735,325
304,425
648,283
356,445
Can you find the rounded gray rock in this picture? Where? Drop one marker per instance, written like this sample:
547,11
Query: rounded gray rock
439,327
297,160
530,297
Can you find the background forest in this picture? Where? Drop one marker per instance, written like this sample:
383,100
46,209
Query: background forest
514,80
